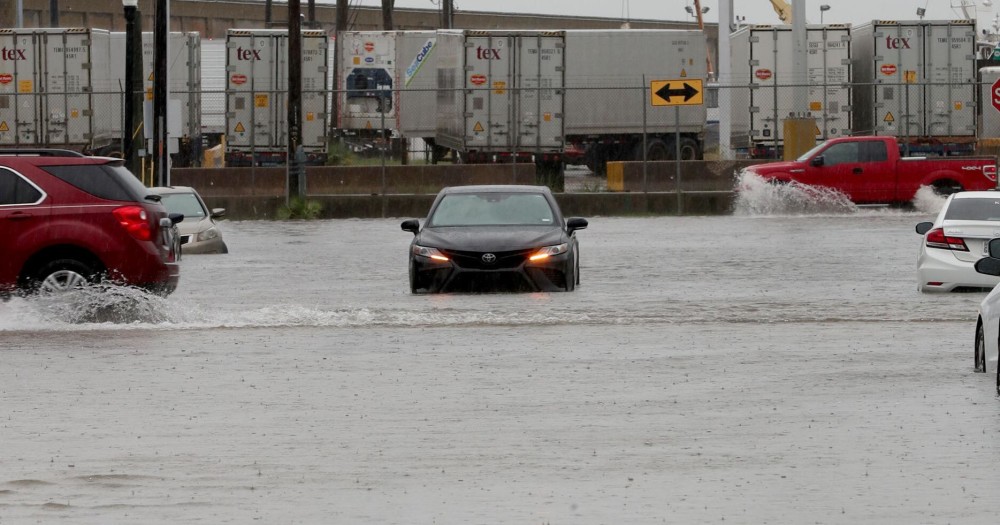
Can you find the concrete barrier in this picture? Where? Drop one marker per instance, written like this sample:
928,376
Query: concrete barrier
350,180
696,175
356,192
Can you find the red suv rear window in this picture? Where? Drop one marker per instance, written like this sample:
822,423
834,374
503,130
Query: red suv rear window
101,180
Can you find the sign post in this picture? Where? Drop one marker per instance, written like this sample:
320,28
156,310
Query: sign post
677,93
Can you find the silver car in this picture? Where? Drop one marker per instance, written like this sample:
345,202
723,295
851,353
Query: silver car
199,231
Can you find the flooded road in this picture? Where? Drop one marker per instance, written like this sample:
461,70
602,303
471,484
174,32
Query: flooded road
754,368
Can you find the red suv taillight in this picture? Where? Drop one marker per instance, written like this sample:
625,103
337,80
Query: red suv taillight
135,220
937,239
991,172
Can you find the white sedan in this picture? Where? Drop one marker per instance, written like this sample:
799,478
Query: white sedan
956,240
988,324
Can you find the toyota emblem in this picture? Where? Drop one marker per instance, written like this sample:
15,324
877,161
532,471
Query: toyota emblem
489,258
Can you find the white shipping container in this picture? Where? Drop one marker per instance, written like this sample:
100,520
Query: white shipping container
762,59
256,90
915,78
213,85
991,102
416,79
367,79
183,68
501,91
55,88
608,74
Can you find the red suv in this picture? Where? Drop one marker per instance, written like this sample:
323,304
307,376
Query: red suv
67,219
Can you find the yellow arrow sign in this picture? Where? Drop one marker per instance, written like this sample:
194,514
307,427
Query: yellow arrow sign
679,92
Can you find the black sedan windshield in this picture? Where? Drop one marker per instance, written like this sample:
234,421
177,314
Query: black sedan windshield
493,209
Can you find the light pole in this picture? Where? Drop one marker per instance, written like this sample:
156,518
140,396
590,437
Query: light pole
133,78
690,11
823,9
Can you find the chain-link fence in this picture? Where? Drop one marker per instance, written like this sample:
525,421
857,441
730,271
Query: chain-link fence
579,128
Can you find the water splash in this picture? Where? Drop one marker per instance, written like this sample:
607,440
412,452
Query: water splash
756,196
928,201
102,303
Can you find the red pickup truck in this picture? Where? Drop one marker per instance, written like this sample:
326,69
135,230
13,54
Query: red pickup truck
870,170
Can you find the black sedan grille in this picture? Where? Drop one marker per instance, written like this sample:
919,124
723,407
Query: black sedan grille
474,260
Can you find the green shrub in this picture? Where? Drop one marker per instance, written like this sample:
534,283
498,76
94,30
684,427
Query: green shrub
300,209
339,154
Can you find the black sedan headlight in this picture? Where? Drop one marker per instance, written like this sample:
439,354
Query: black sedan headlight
430,253
549,251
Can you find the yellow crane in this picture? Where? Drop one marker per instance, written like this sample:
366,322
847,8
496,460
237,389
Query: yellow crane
783,9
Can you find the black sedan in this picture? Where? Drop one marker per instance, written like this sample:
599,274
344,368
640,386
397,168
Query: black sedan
494,238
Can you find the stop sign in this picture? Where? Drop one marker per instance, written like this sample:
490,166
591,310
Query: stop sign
995,98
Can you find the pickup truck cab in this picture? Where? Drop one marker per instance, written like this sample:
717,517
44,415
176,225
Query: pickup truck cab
870,170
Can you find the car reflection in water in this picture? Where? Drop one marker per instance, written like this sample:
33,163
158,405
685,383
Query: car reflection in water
199,231
494,238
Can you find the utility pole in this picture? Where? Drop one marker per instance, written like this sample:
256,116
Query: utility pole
132,139
725,79
267,14
161,155
296,175
340,27
312,15
11,14
387,6
447,14
53,13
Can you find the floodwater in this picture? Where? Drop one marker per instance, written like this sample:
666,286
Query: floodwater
773,366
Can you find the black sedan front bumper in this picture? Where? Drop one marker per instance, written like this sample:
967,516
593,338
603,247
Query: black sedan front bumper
509,272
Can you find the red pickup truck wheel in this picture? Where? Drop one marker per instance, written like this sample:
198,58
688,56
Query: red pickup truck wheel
946,187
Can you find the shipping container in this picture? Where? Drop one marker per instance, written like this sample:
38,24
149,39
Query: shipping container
367,65
257,92
609,71
213,86
915,80
762,59
556,94
55,88
501,91
416,78
183,68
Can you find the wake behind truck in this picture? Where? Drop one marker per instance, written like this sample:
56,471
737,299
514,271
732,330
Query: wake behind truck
541,95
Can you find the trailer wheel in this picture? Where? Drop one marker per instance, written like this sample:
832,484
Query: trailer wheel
690,149
595,158
656,150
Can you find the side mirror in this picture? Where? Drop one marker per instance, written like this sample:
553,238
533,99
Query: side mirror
817,161
924,227
176,217
994,248
218,212
410,225
988,265
575,223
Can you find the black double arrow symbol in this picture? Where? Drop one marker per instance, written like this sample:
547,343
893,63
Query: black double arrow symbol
688,92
